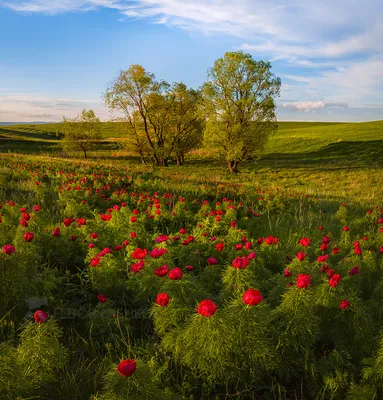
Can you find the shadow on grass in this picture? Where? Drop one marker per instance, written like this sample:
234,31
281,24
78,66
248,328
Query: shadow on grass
340,155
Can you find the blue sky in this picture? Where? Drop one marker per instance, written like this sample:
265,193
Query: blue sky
58,56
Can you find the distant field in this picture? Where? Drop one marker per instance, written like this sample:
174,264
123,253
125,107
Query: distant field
335,159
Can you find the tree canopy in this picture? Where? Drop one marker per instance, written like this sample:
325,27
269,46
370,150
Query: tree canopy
239,106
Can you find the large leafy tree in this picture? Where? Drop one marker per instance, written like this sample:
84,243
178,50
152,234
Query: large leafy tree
239,106
82,132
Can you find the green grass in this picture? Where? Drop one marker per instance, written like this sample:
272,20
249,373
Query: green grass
337,160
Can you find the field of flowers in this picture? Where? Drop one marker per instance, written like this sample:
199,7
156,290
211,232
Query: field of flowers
118,283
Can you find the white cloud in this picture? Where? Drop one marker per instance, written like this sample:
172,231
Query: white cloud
307,106
27,107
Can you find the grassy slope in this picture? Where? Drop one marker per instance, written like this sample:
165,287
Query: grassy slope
333,159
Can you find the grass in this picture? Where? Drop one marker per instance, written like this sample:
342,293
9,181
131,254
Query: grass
337,160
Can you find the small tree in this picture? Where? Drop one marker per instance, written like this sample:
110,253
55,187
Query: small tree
238,104
81,133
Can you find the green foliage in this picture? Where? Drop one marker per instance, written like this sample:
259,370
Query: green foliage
239,105
81,133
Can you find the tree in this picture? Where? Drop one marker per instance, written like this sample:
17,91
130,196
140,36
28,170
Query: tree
186,125
239,107
137,95
159,120
81,133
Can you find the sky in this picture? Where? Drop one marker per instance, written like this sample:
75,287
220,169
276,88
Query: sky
58,56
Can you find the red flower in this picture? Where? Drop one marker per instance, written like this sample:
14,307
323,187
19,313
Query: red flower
346,228
212,261
335,250
73,238
248,245
26,216
24,223
182,231
157,252
252,297
260,240
238,247
252,256
40,316
189,268
287,273
161,271
106,217
301,256
305,242
344,304
94,235
126,367
56,232
207,308
219,246
271,240
323,247
137,267
95,261
322,259
36,207
354,271
162,299
334,280
9,249
139,253
91,246
303,281
175,274
240,262
68,221
102,298
133,235
28,236
326,239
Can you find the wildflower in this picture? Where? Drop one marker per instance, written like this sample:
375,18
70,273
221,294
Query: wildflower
40,316
127,367
8,249
240,262
207,308
303,281
252,297
162,299
175,274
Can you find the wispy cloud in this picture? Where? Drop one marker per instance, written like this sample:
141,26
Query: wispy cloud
36,107
307,106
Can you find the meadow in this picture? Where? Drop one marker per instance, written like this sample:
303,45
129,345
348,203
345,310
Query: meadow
123,281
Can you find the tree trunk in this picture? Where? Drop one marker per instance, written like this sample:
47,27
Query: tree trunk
233,166
164,162
179,161
84,153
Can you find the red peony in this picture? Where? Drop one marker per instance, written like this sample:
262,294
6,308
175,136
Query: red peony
240,262
126,367
344,304
8,249
28,236
162,299
252,297
175,274
219,246
301,256
102,298
207,308
303,281
161,271
212,261
139,253
334,280
95,261
305,242
40,316
287,273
